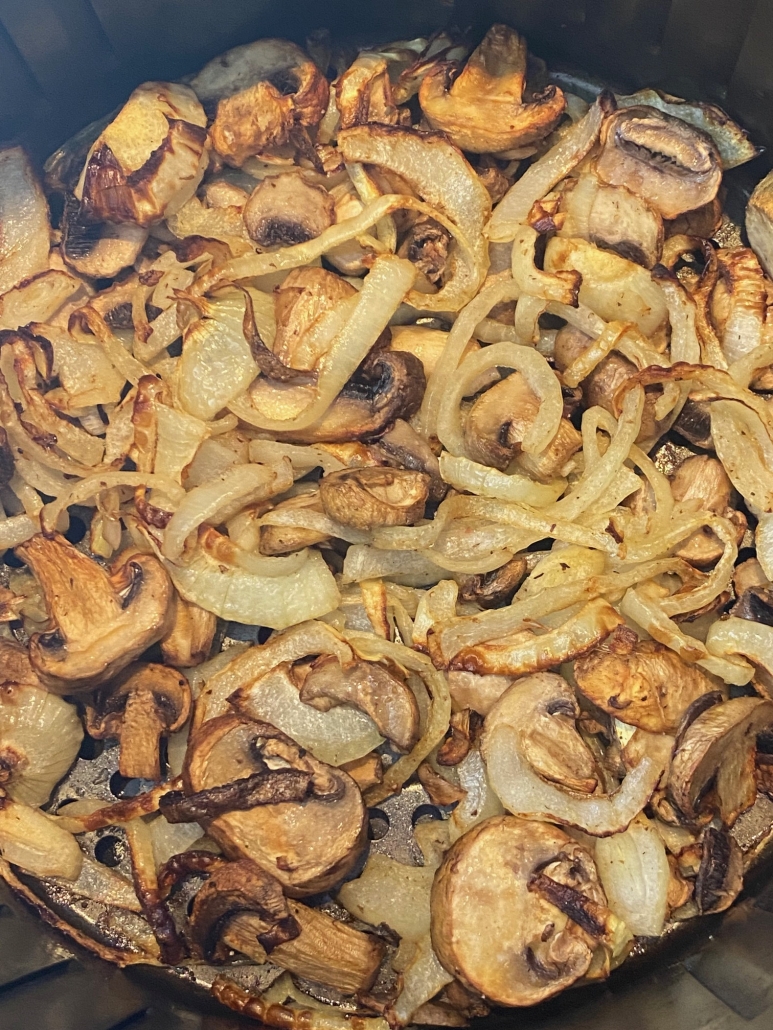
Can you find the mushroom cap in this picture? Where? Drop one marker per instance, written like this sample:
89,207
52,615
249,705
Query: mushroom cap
168,688
369,497
308,846
672,165
719,747
101,622
483,110
286,209
494,934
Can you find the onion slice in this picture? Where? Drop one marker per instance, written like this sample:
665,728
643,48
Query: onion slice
635,874
35,843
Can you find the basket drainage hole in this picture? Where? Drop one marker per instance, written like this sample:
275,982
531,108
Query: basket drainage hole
123,787
110,851
91,749
378,825
426,814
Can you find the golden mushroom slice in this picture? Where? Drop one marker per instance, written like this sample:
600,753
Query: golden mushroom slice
719,748
672,165
376,496
310,843
483,110
147,703
703,479
189,640
101,621
40,733
149,160
517,911
300,302
286,209
640,682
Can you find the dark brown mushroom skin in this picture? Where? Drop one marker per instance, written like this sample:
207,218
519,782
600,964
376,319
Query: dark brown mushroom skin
268,787
401,445
286,209
492,589
720,874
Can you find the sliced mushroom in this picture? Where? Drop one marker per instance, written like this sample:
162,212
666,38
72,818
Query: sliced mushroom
720,874
234,888
259,93
40,733
672,165
326,950
601,386
285,209
525,652
614,218
426,246
307,846
24,228
704,479
15,665
101,621
483,110
388,701
492,589
500,418
403,445
640,682
759,222
755,603
370,497
304,296
363,93
189,640
386,387
718,749
487,880
99,250
146,703
275,540
149,160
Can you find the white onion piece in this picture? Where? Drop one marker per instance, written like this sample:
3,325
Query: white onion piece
634,873
303,459
213,458
273,601
407,567
84,370
218,500
92,486
179,437
385,286
314,520
522,792
171,838
685,344
422,978
42,733
373,896
465,474
25,239
539,376
17,529
763,539
752,640
746,452
543,175
104,885
339,735
480,802
595,353
744,369
561,287
231,553
35,843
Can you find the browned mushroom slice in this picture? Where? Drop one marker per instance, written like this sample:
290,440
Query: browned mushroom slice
234,888
24,228
401,444
483,110
363,93
389,702
389,386
285,209
101,621
369,497
484,882
720,874
325,950
149,160
672,165
499,419
704,479
308,846
275,540
640,682
601,386
718,749
492,589
146,703
189,640
426,246
755,603
304,296
99,251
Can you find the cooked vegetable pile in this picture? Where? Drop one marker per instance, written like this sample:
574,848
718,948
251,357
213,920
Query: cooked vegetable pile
437,372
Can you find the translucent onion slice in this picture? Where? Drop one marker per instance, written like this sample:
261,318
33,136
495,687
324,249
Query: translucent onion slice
543,175
745,449
92,486
685,345
35,843
339,735
465,474
522,792
635,874
540,377
273,601
40,734
752,640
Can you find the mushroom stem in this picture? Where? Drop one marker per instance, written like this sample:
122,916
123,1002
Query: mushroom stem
140,738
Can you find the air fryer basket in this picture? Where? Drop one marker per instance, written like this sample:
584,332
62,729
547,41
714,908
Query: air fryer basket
64,63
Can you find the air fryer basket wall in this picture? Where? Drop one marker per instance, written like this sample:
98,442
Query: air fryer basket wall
64,63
